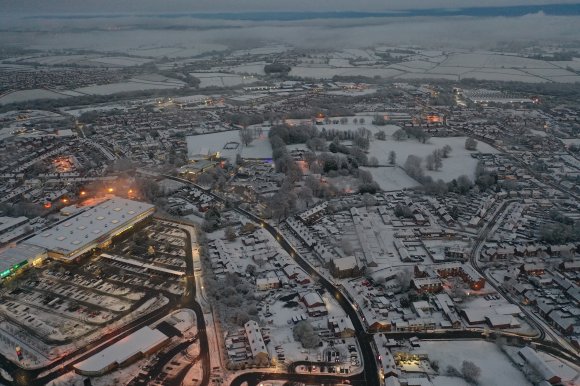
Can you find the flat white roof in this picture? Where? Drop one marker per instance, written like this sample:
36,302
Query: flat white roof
90,226
348,262
138,342
255,339
7,222
18,254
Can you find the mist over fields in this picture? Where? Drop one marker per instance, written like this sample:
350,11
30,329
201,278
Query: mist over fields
119,32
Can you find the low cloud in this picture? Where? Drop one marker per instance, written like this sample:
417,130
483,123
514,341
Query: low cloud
436,32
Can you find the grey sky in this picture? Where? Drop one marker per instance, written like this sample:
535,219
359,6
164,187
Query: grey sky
157,6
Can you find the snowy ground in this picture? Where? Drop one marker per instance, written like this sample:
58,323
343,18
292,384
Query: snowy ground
103,89
28,95
459,162
222,79
496,368
209,143
448,381
259,148
133,85
482,65
256,68
78,112
391,178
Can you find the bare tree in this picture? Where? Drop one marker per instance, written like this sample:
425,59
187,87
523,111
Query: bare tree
404,279
305,195
392,157
346,246
437,159
304,333
430,162
413,167
446,150
251,269
464,184
246,136
365,177
470,371
400,135
470,144
230,234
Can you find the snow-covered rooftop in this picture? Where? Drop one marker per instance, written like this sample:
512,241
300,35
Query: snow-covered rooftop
140,341
72,237
18,254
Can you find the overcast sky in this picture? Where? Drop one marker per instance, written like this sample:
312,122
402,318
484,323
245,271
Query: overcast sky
159,6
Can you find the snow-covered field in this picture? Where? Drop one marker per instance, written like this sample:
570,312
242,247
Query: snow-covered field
459,162
256,68
210,143
28,95
120,61
78,112
132,85
259,148
392,178
496,368
453,66
147,82
222,79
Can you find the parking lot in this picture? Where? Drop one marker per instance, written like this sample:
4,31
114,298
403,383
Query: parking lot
58,306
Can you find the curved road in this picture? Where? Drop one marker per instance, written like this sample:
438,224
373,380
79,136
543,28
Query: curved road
371,372
540,339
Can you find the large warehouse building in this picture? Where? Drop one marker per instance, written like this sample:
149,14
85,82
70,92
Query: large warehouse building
139,344
91,228
14,259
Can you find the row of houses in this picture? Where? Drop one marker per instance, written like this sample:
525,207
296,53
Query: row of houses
452,269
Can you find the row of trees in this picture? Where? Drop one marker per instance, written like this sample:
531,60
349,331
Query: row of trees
434,161
469,371
339,160
413,167
562,230
411,132
294,135
234,298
